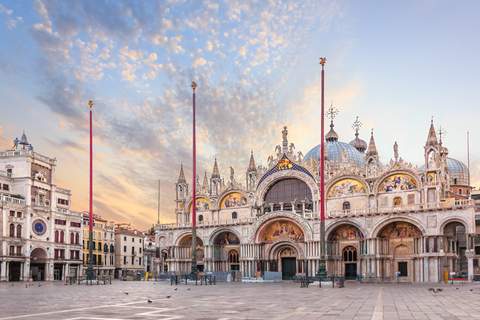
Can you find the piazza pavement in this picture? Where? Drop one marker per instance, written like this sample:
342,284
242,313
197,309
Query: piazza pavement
273,301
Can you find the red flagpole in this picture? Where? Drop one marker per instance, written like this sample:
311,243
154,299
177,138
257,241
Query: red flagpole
194,269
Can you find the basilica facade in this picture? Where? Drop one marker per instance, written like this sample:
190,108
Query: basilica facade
382,219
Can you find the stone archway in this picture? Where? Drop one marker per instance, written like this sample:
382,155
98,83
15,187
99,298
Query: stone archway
38,264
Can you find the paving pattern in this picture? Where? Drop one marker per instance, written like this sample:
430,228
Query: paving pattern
272,301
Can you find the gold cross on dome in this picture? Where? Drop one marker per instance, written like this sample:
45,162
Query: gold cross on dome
356,125
331,112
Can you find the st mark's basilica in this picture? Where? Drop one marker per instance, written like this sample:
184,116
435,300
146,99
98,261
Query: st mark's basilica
382,218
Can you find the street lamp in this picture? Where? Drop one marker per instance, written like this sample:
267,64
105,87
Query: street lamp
90,274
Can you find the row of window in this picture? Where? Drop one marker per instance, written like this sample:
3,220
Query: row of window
15,250
133,249
75,224
97,235
61,222
60,254
17,214
60,237
97,260
15,231
62,201
133,260
133,239
98,245
234,216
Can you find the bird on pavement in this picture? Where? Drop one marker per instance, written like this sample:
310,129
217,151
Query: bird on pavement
176,289
168,297
149,301
126,292
188,288
435,290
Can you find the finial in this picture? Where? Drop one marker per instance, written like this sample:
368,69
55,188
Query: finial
395,151
90,104
194,86
322,61
331,112
432,119
372,131
441,133
356,126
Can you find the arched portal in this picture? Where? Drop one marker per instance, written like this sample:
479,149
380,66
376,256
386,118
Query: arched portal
286,256
223,244
183,254
455,241
399,246
38,259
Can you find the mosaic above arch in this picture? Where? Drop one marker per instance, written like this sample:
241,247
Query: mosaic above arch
398,182
346,232
226,238
346,187
233,200
400,230
187,241
282,229
202,204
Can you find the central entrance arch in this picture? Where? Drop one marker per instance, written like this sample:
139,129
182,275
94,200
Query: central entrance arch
286,256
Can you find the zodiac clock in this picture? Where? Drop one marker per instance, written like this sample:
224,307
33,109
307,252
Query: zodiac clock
39,227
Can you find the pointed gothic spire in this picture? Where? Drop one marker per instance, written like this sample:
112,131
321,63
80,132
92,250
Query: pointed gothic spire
372,149
215,173
205,182
181,177
251,165
432,136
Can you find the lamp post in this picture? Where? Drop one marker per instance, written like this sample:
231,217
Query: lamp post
194,268
89,272
322,267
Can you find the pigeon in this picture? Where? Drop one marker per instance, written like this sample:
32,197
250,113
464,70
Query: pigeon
435,290
126,292
471,289
176,289
13,285
168,297
39,285
457,288
149,301
188,288
26,286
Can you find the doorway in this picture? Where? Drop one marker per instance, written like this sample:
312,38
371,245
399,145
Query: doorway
289,268
350,271
14,271
403,269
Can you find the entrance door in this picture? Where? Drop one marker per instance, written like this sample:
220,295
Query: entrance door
14,271
350,271
289,268
403,269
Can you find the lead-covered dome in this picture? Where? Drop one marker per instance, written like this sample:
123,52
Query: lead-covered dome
336,154
458,172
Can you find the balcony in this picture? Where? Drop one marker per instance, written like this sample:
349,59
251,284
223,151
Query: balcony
354,212
5,174
12,200
15,219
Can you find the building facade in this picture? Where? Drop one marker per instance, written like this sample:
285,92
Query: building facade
40,237
382,219
129,253
103,245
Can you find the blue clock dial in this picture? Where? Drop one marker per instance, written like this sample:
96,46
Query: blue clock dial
39,227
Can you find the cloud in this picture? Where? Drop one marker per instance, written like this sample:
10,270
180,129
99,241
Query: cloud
199,62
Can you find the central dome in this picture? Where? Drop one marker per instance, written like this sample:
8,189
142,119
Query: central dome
336,155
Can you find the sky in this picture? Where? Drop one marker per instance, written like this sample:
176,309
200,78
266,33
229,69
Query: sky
394,64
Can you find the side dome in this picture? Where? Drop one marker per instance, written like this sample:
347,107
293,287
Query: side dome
458,172
336,154
359,144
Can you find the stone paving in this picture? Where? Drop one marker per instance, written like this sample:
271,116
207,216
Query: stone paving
273,301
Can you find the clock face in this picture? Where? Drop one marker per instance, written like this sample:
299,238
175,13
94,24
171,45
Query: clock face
39,227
